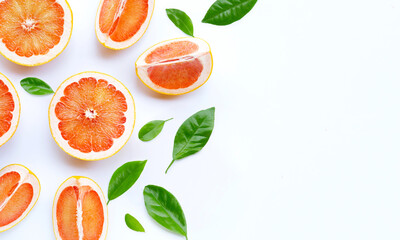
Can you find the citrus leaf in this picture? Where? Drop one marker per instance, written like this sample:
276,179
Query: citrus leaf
133,223
181,20
124,178
165,209
193,134
151,130
36,86
225,12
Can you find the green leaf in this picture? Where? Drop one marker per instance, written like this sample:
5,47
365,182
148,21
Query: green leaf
124,178
165,209
225,12
193,134
151,130
181,20
133,223
36,86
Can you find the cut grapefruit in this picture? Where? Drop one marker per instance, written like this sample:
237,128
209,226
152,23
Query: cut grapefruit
91,116
9,109
176,66
19,192
80,210
34,32
121,23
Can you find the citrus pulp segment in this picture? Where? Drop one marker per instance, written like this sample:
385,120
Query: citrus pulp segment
80,210
34,32
121,23
176,66
91,116
19,191
9,109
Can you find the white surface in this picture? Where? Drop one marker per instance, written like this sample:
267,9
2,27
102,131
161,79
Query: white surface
306,142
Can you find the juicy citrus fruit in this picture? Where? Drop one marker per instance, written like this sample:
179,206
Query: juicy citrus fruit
121,23
9,109
19,191
80,210
176,66
91,116
34,32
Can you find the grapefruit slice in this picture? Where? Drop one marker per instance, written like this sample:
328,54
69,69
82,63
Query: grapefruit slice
19,192
121,23
91,116
34,32
80,210
176,66
10,109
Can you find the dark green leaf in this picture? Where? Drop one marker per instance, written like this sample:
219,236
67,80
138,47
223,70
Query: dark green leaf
225,12
193,134
163,207
36,86
133,223
124,178
151,130
181,20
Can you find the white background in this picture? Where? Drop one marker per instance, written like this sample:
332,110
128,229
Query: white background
306,139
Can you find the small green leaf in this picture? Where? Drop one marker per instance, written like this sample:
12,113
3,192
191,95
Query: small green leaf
133,223
151,130
124,178
181,20
193,134
165,209
225,12
36,86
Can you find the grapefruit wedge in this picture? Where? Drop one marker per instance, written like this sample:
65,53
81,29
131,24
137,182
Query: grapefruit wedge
121,23
91,116
176,66
80,210
19,192
34,32
9,109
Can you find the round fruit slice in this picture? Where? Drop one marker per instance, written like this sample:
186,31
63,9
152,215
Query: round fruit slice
9,109
176,66
121,23
80,210
91,116
19,192
34,32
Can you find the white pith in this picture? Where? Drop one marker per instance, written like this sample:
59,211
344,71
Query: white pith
54,52
25,177
118,143
80,181
16,113
203,54
105,39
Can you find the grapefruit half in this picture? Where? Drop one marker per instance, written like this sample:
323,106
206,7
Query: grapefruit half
34,32
91,116
19,192
121,23
176,66
10,109
80,210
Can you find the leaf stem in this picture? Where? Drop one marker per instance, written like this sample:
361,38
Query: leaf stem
168,119
166,171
